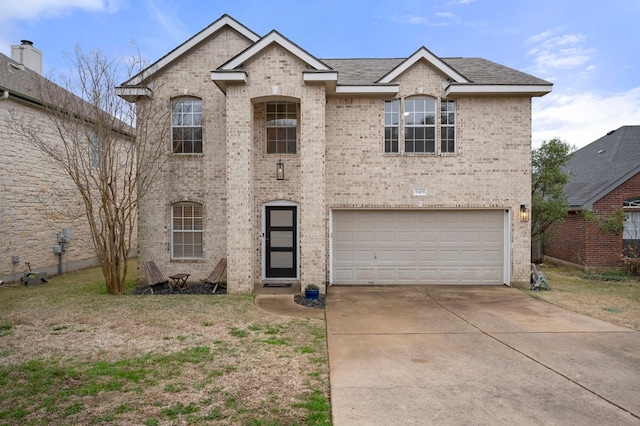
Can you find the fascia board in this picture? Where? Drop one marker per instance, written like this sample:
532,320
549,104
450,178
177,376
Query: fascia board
132,93
314,76
229,76
497,89
367,90
222,78
424,53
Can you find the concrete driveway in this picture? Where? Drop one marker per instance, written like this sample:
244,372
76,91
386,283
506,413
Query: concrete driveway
475,356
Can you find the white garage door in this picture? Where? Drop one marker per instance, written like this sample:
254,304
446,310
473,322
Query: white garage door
418,247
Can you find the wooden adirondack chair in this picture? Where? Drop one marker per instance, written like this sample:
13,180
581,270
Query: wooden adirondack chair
215,278
154,276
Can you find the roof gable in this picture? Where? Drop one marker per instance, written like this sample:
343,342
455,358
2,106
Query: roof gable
223,21
603,165
273,37
424,54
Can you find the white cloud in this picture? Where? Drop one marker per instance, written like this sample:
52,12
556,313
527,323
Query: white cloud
584,117
26,10
564,51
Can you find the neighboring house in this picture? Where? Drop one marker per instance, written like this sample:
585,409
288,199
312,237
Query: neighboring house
37,198
604,176
304,171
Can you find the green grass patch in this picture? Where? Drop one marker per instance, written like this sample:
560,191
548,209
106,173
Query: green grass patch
318,407
238,332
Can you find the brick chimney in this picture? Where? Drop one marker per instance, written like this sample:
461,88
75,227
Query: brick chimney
27,55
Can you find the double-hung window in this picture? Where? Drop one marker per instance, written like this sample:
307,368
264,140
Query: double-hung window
391,125
186,231
447,126
419,125
282,127
186,126
421,129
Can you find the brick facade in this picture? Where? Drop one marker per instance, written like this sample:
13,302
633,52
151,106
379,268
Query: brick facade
582,243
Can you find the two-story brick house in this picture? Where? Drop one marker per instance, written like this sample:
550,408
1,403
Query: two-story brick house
337,171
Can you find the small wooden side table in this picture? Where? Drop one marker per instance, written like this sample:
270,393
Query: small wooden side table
180,281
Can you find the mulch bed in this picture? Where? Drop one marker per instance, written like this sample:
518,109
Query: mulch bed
190,289
301,300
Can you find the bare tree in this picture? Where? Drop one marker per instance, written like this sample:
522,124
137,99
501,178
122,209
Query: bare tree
98,146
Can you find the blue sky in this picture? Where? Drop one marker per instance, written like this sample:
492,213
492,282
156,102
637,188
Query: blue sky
589,49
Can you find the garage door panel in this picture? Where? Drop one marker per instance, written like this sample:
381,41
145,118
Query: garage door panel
365,236
365,275
418,247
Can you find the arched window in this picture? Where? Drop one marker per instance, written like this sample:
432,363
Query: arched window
186,231
186,126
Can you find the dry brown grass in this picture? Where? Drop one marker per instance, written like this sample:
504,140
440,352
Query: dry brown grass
203,359
612,298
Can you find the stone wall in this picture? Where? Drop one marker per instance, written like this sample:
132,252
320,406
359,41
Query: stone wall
37,200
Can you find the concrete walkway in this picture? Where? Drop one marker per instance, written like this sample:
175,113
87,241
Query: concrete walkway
475,356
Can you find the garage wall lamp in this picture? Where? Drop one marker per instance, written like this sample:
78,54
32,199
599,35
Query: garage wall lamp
524,213
280,170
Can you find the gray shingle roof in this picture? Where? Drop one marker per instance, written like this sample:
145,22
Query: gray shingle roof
477,70
602,166
28,85
17,79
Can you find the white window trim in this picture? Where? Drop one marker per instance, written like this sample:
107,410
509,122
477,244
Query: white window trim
174,102
296,127
173,257
438,128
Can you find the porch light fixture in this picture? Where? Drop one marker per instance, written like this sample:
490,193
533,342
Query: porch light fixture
280,170
524,213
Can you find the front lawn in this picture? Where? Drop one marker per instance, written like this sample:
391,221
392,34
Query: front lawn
71,354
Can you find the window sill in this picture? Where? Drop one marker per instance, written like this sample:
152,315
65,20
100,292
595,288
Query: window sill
193,155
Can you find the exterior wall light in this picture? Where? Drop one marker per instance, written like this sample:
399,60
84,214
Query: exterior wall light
524,213
280,170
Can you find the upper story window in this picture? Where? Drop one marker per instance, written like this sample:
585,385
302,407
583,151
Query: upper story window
186,126
391,125
186,231
447,126
282,127
419,121
419,125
